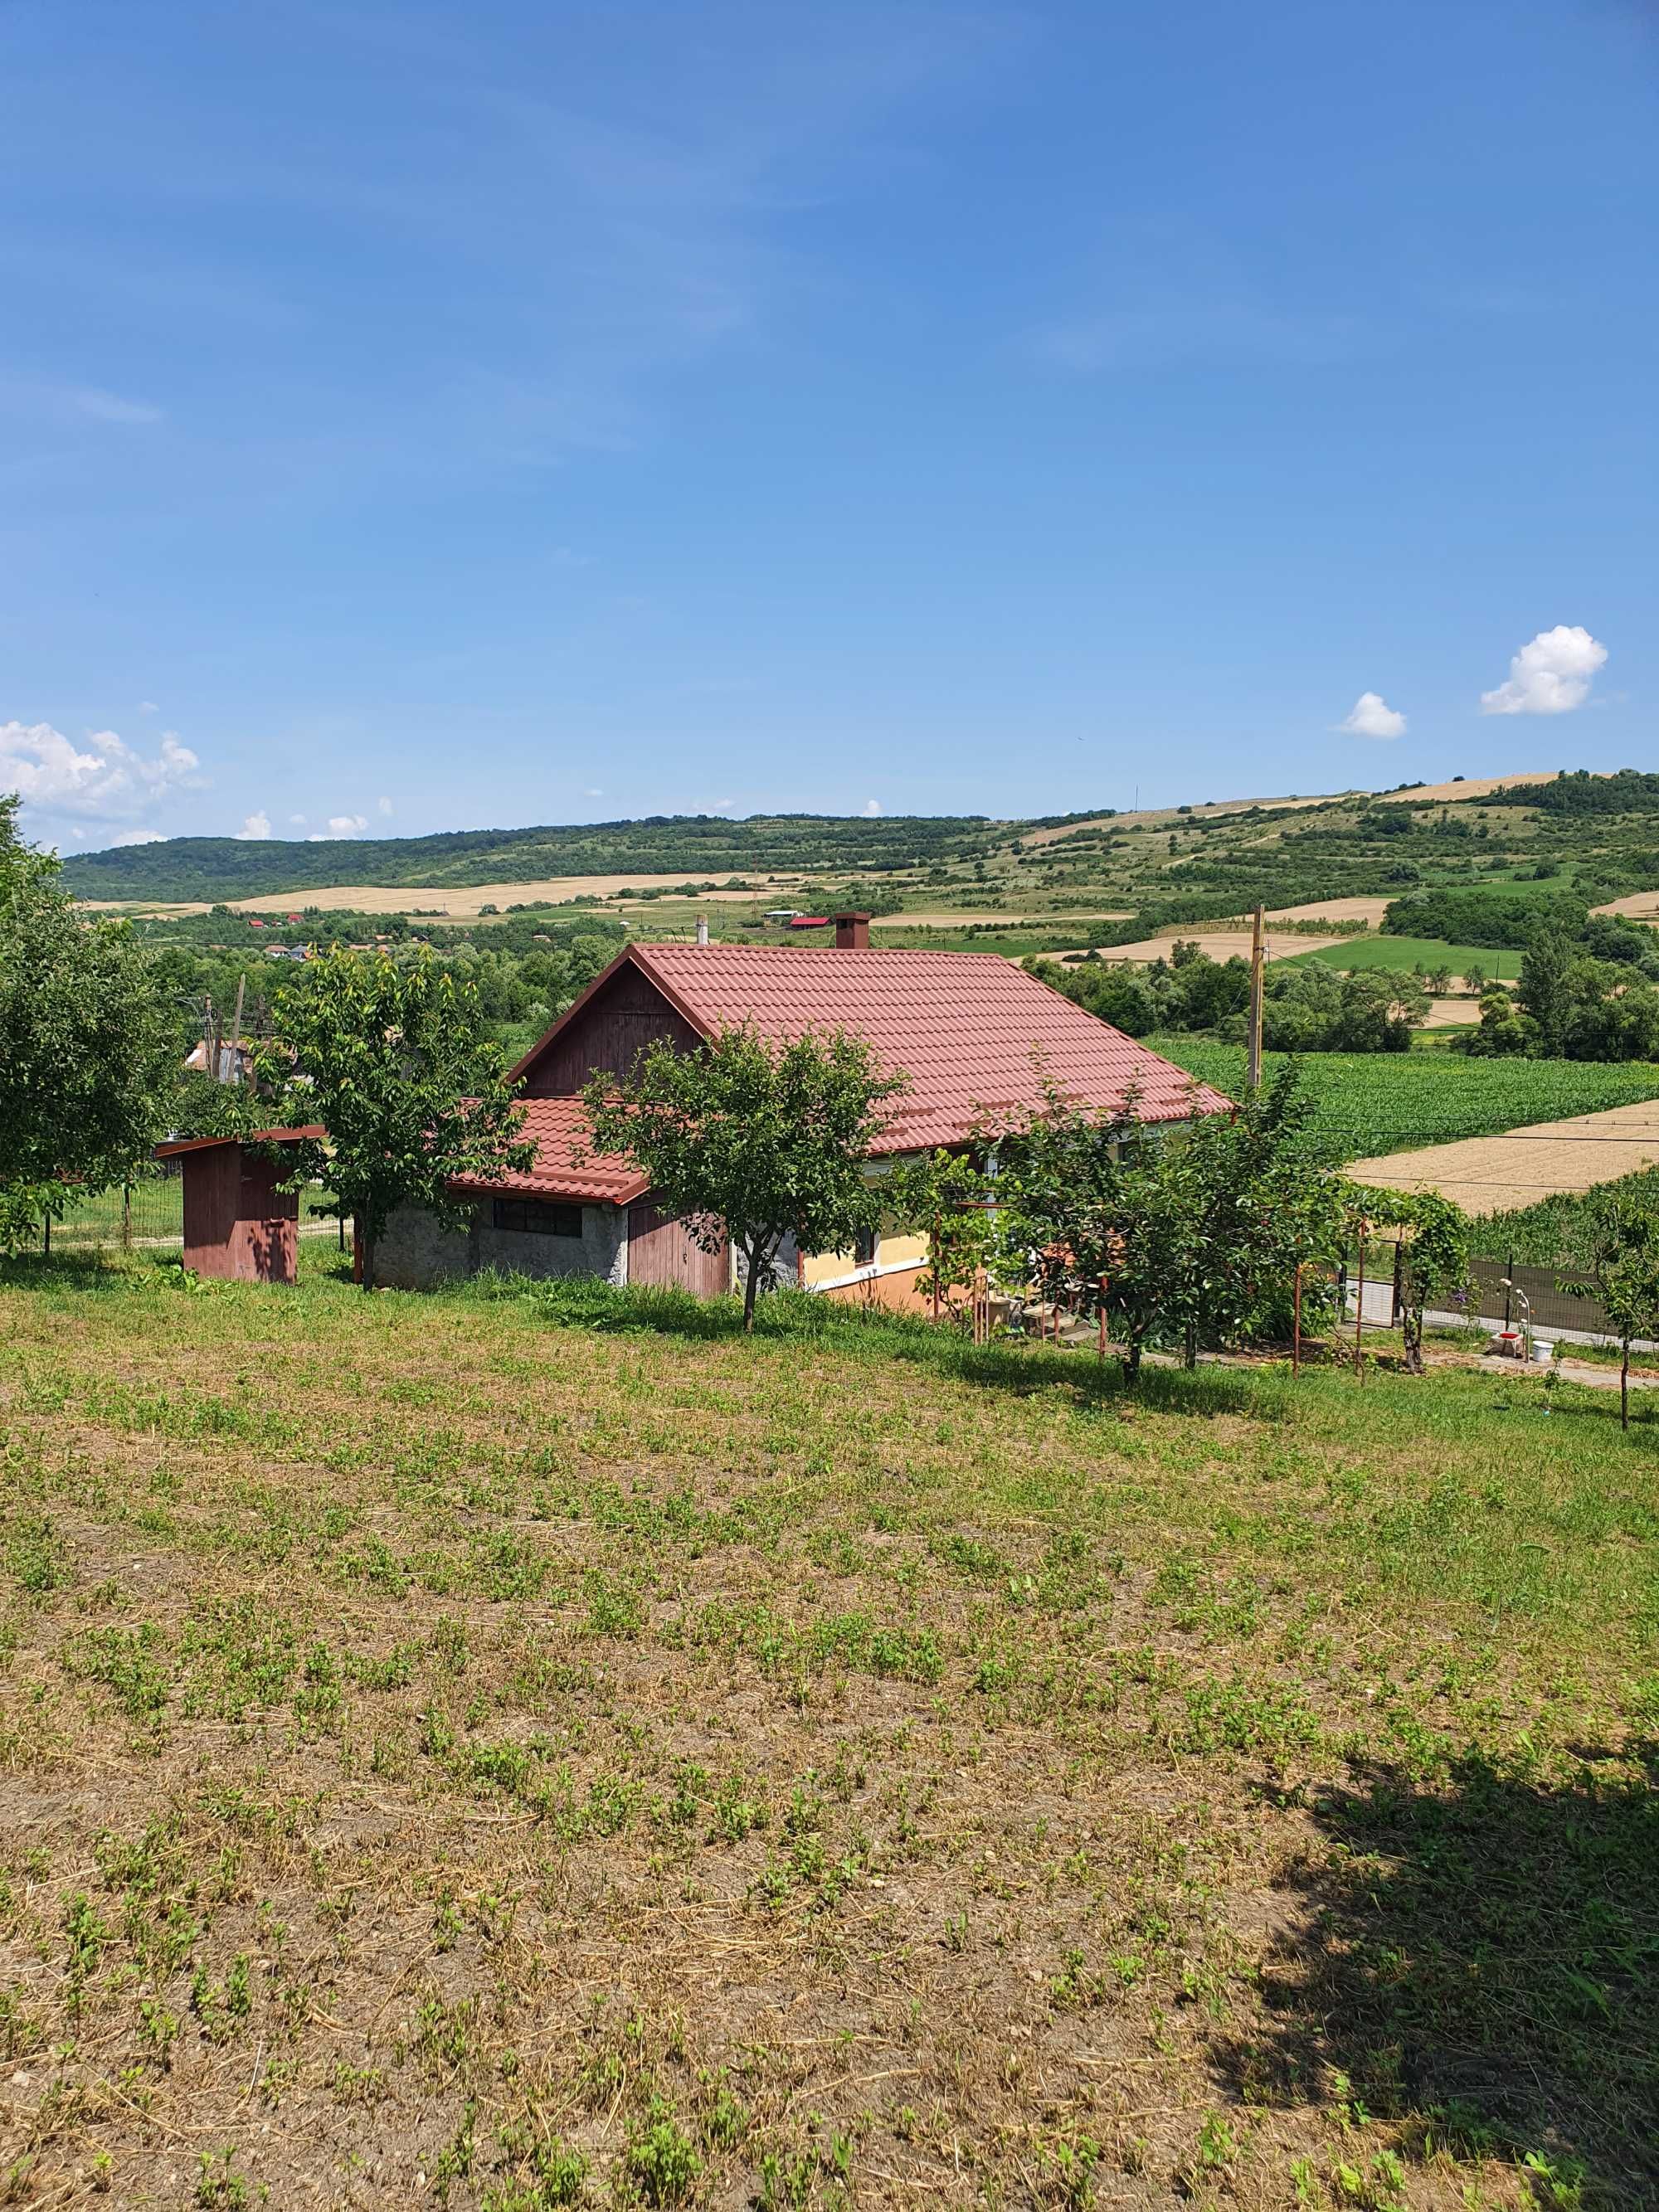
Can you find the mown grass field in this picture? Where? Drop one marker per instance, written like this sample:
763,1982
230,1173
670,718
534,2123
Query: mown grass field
1388,1102
1406,953
536,1749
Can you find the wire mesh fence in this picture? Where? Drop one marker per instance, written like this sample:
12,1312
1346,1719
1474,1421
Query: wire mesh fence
147,1214
1501,1293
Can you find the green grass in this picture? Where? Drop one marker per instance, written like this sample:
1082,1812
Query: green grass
1390,1102
540,1739
1405,953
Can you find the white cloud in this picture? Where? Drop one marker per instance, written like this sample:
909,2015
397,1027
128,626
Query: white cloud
595,794
103,777
299,818
110,407
871,807
384,805
339,825
136,837
148,706
1371,716
255,828
1551,675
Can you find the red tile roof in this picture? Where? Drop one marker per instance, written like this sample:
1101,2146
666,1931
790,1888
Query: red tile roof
974,1032
564,1167
964,1026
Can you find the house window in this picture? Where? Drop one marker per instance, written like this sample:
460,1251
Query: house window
864,1252
536,1216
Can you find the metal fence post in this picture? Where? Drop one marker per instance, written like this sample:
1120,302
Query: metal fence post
127,1217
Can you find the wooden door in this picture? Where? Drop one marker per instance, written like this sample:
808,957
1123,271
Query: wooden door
661,1251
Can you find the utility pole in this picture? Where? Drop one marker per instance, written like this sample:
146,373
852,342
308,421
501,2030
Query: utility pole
232,1073
1254,1075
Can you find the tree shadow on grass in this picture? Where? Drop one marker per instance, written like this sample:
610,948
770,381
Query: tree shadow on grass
1022,1368
1480,1961
84,1271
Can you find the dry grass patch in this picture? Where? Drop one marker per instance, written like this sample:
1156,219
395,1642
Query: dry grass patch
546,1749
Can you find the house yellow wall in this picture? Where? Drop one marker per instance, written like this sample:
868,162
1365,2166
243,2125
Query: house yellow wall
890,1252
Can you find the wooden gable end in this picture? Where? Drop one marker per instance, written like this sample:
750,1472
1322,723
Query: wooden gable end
625,1014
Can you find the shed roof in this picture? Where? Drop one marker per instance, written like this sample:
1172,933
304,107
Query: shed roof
177,1145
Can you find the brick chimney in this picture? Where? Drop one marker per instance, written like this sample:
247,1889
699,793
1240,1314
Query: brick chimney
852,932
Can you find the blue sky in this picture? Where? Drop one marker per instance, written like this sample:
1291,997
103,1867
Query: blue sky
440,416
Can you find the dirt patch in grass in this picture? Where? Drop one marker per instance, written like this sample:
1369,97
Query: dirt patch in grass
450,1754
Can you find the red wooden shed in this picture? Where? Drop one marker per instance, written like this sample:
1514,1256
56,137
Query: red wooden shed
237,1222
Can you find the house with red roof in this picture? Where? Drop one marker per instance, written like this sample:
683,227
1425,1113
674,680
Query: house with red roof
974,1034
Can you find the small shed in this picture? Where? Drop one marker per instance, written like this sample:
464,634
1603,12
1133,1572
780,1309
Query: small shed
237,1223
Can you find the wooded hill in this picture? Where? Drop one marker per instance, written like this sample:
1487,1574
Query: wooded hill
700,845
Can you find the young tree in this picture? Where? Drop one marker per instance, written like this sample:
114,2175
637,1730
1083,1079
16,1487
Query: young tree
1196,1230
87,1050
949,1198
1433,1251
391,1061
754,1141
1622,1265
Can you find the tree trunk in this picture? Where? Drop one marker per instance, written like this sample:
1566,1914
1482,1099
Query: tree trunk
1624,1386
1192,1344
367,1243
1131,1360
1411,1335
750,1289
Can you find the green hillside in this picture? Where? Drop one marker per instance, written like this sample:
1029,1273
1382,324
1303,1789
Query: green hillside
699,845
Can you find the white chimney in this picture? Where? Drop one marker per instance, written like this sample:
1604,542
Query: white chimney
702,929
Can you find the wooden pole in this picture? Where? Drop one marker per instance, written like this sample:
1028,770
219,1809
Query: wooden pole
1296,1323
232,1072
127,1217
936,1267
1253,1074
1359,1310
1102,1318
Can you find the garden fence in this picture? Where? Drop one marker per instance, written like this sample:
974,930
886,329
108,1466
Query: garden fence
1503,1293
147,1214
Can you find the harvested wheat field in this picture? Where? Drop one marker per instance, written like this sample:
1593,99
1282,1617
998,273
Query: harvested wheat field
1451,1013
1490,1174
460,901
544,1748
1367,910
1219,943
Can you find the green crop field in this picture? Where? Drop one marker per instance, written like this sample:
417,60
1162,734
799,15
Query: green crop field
524,1748
1390,1101
1405,953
